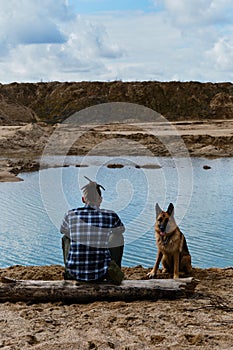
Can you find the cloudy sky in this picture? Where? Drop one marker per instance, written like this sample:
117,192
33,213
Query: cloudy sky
128,40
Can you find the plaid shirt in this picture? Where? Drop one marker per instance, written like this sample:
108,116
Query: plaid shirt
89,229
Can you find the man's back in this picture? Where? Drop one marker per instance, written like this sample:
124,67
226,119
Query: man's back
89,229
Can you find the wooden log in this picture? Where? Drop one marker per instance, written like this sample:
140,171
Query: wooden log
81,292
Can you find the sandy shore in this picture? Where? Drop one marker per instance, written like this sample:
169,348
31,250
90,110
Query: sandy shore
21,145
201,321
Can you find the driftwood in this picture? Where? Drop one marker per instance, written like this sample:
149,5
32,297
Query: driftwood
78,292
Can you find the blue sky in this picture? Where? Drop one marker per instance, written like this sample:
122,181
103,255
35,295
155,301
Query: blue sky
105,40
94,6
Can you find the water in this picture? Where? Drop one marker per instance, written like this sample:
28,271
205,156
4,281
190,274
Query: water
32,210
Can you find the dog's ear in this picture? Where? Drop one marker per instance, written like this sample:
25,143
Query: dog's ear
170,209
157,210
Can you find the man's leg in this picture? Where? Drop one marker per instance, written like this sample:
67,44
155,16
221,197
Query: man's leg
65,250
117,254
114,273
116,247
65,247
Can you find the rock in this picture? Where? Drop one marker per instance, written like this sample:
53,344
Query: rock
6,176
23,165
151,166
114,166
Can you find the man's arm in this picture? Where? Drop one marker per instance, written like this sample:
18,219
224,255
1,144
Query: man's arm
119,229
65,227
116,238
119,226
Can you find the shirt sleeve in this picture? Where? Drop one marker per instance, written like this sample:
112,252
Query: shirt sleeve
65,226
119,226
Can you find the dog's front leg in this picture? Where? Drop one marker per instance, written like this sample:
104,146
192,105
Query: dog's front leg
176,264
153,272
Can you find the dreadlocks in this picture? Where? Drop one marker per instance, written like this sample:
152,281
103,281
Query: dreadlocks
92,192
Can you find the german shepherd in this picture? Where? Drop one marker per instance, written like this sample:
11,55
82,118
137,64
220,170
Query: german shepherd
171,244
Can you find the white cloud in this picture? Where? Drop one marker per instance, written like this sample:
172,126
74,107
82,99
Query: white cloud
176,41
198,12
221,55
30,22
91,39
48,42
36,30
179,40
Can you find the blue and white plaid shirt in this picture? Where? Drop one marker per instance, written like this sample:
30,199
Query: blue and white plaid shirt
89,229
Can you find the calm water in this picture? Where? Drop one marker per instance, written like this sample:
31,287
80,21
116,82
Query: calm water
32,210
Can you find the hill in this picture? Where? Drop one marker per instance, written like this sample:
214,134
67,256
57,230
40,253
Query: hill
53,102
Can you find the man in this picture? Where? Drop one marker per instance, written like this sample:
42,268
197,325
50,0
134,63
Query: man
95,237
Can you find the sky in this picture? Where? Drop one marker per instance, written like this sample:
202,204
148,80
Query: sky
108,40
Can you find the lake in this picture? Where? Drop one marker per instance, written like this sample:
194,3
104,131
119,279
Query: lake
32,210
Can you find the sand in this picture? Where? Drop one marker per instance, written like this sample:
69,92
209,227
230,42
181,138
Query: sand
201,321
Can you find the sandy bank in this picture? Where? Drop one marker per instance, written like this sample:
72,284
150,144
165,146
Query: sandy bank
203,321
187,138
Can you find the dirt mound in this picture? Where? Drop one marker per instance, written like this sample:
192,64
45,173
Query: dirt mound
31,137
13,113
55,101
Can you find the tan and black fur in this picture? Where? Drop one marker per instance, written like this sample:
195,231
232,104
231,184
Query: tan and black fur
171,244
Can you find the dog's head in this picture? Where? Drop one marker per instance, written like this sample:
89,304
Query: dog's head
165,222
